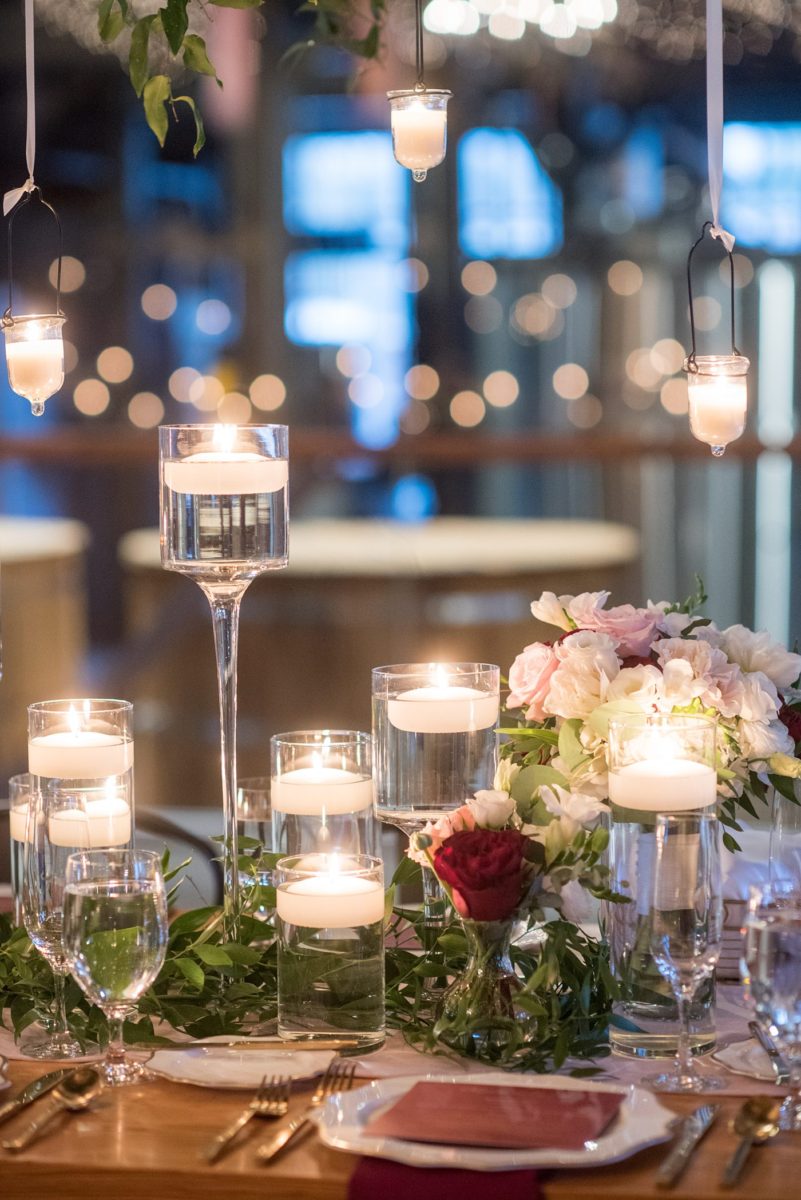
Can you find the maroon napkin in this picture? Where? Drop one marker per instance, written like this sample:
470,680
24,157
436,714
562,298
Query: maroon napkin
502,1117
377,1177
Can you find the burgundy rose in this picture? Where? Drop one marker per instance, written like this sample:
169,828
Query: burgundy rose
484,869
791,719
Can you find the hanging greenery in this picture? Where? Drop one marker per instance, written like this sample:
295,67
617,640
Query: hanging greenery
169,30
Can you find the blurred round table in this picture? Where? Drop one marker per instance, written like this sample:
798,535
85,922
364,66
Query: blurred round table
357,594
44,621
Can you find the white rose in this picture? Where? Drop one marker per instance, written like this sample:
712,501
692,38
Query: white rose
491,810
721,681
505,775
641,685
760,698
575,810
587,663
759,741
759,652
679,685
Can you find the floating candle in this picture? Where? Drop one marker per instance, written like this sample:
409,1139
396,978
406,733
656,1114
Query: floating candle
448,709
226,474
83,754
663,785
95,825
312,791
331,901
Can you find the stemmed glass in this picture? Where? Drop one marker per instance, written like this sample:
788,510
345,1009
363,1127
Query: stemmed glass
223,522
686,927
771,971
44,866
115,938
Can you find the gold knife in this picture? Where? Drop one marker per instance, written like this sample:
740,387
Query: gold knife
39,1087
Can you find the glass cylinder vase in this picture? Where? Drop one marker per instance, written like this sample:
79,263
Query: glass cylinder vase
657,763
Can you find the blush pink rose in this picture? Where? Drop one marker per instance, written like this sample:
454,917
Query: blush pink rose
634,629
529,679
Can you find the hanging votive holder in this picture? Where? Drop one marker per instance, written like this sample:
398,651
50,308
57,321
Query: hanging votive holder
34,342
419,121
34,357
717,388
717,391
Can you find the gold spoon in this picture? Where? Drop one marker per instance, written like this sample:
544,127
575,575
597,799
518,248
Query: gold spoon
75,1091
756,1121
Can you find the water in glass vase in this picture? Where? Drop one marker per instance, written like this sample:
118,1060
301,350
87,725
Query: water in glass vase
226,536
645,1015
429,773
113,938
331,982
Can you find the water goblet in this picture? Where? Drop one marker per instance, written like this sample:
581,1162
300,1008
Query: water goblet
255,840
223,522
115,938
687,927
771,971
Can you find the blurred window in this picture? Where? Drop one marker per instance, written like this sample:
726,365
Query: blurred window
509,207
762,185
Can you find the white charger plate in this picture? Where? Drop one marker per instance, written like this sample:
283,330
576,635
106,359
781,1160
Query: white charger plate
343,1124
237,1067
746,1058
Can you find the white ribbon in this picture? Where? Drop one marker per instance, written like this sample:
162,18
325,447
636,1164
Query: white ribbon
714,115
10,199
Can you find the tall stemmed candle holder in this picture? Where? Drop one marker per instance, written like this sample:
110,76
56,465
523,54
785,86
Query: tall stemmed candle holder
224,516
717,388
322,792
658,763
80,763
434,745
419,116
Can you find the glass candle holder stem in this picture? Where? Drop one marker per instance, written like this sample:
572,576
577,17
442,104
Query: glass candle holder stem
225,603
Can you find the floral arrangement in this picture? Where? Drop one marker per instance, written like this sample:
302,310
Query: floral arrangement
661,658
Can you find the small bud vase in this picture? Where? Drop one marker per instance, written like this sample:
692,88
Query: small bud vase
478,1012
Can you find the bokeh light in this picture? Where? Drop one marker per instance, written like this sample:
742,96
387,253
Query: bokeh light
625,278
145,410
206,392
467,409
416,418
479,278
159,302
180,383
570,381
213,317
91,397
115,364
267,392
234,409
501,389
73,273
421,382
673,397
585,412
560,290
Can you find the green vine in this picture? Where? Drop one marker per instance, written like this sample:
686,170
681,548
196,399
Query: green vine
207,988
334,24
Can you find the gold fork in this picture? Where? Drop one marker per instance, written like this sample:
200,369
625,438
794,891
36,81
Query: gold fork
271,1100
337,1078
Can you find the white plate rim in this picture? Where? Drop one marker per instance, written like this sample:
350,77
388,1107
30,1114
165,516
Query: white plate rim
749,1072
645,1122
198,1053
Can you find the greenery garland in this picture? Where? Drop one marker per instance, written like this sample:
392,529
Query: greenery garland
334,24
207,988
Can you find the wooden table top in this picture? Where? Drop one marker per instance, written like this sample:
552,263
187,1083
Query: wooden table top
143,1143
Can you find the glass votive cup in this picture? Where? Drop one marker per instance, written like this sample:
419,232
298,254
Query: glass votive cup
717,395
434,736
255,840
419,123
19,801
35,357
322,792
662,762
330,925
80,759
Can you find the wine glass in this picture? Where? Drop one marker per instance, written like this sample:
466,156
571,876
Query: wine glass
771,971
223,522
255,837
44,865
686,927
115,938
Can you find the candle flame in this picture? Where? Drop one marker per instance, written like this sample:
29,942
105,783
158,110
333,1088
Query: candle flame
73,720
439,676
224,438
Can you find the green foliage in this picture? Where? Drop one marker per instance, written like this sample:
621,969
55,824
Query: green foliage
208,988
334,22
